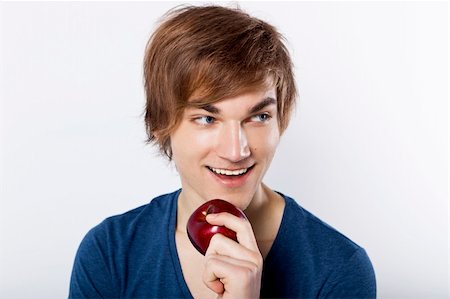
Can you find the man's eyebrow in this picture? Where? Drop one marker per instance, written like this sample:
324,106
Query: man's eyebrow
261,105
211,109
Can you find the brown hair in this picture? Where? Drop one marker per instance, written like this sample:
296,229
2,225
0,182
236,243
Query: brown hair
213,52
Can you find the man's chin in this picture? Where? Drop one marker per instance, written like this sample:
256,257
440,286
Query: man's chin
239,198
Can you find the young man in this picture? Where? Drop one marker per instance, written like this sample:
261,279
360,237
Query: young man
220,91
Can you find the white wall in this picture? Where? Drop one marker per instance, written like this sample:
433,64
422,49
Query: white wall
367,150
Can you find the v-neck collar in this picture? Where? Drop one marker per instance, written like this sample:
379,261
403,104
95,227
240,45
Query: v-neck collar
173,248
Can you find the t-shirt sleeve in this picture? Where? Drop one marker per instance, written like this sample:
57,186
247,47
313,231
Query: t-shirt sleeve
91,274
354,279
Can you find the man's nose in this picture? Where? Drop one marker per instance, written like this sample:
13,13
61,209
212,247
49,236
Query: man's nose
232,142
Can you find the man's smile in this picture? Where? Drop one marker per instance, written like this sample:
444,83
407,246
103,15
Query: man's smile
231,178
229,172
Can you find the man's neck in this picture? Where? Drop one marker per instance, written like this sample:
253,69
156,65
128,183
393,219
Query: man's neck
259,206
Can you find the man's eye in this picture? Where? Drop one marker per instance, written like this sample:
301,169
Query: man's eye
205,120
261,117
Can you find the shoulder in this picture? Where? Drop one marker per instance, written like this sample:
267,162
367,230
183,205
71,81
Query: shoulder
306,226
157,209
119,231
320,256
112,250
160,205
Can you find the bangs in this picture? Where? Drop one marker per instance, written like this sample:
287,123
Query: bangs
212,81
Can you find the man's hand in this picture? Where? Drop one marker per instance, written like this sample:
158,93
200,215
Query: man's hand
233,270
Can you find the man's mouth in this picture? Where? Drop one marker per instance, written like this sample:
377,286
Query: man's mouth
231,178
229,172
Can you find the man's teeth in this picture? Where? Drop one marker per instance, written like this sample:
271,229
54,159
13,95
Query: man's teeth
229,172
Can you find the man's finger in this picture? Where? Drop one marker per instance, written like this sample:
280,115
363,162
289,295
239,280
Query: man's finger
242,227
221,245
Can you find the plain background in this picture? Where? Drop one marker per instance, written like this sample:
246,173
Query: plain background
367,150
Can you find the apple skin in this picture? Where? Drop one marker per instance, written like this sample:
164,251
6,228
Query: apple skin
200,231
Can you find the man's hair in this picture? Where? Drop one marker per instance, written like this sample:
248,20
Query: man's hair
212,52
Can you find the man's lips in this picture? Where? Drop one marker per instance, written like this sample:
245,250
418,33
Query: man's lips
230,171
232,180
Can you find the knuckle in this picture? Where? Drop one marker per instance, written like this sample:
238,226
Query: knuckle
247,274
258,259
254,269
255,258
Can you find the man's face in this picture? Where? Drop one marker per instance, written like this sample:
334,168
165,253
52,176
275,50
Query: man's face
224,149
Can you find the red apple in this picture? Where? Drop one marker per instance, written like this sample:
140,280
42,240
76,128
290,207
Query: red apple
200,231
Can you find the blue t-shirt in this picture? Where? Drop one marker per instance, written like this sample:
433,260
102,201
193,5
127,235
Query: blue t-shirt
134,255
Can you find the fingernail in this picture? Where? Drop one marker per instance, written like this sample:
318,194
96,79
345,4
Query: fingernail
211,216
